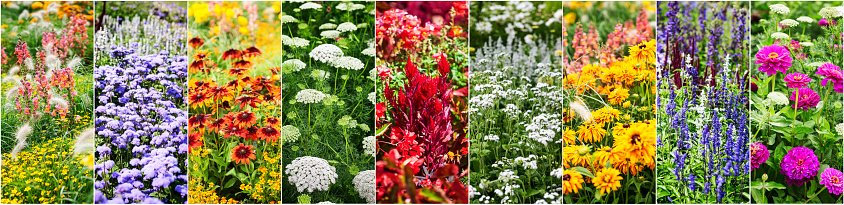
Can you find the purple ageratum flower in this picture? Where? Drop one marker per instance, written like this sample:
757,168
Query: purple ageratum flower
797,80
758,155
773,58
832,179
800,165
807,98
832,73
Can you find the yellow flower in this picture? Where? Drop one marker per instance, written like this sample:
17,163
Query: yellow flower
242,21
243,30
569,136
645,52
607,154
572,182
37,5
619,95
577,155
607,179
590,132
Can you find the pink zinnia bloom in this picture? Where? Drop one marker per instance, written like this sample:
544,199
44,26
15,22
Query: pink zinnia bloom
758,155
773,58
832,179
800,165
832,73
808,98
796,80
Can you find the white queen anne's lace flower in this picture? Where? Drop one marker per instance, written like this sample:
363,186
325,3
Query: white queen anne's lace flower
296,42
310,5
289,133
369,51
346,62
311,173
350,6
780,9
369,145
288,19
805,19
294,65
839,128
780,36
309,96
346,27
789,22
329,34
829,12
327,26
778,98
371,97
365,185
326,53
807,44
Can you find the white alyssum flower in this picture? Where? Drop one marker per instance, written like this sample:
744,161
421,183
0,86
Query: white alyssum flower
289,133
839,128
308,96
294,65
778,98
780,9
805,19
371,97
311,173
326,53
346,27
780,36
806,44
483,27
327,26
288,19
369,51
329,34
365,185
829,12
347,62
310,5
789,22
369,145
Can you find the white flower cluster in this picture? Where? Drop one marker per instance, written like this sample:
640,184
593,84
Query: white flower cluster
789,22
369,51
289,133
350,6
326,53
293,64
310,173
779,36
829,12
805,19
308,96
807,44
483,27
310,5
780,9
365,185
778,98
326,202
329,34
288,19
369,145
371,97
295,42
527,162
346,27
544,127
347,62
557,172
492,137
839,128
327,26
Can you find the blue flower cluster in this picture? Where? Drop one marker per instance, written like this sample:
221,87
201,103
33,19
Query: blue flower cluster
142,142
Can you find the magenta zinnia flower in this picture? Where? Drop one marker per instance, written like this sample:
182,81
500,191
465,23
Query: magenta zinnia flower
808,98
833,73
800,165
796,80
831,178
758,155
773,58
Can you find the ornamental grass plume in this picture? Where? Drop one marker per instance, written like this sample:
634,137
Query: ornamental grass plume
800,165
21,136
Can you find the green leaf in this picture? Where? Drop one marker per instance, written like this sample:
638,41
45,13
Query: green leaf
431,195
231,172
380,131
294,148
584,172
803,130
532,192
230,183
774,185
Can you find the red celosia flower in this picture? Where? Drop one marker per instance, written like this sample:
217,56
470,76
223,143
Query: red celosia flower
232,54
380,109
251,52
196,42
242,154
269,133
244,118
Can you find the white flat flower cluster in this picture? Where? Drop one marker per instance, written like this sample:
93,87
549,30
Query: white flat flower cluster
371,96
329,34
369,145
346,27
839,128
780,36
327,26
347,62
805,19
365,185
326,53
780,9
293,64
789,22
310,5
829,12
350,6
288,19
308,96
310,173
289,133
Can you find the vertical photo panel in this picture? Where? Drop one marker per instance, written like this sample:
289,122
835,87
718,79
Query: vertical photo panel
796,102
328,75
422,111
609,90
515,102
234,102
141,74
47,105
703,135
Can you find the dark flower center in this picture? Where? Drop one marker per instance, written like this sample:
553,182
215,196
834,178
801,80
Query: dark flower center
643,46
646,122
634,139
566,177
626,125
